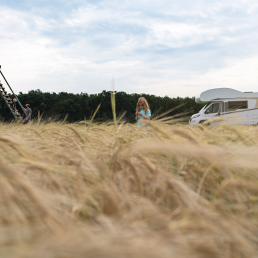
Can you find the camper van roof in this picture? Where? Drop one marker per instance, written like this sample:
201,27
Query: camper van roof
223,93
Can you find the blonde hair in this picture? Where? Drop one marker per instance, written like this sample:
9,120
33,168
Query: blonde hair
143,101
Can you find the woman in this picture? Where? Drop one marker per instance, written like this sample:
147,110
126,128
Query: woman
142,111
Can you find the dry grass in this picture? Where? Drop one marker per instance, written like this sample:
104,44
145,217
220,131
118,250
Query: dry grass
87,190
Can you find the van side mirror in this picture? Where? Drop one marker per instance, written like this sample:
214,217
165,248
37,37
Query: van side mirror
207,111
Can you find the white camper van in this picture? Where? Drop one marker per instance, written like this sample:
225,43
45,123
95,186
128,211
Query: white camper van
232,106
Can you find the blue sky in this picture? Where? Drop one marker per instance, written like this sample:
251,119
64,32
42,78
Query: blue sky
173,48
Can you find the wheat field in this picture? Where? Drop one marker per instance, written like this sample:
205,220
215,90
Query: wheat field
103,191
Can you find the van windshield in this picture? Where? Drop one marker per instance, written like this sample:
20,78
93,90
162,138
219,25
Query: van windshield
203,108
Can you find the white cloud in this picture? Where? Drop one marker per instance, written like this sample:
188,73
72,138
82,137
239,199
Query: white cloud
164,48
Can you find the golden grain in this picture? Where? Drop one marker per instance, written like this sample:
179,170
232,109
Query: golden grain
69,190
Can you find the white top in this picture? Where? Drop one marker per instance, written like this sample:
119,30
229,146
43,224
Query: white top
223,93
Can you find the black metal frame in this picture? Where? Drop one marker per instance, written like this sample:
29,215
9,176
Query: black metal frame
12,92
7,103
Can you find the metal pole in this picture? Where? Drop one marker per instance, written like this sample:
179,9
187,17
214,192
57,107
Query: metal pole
12,91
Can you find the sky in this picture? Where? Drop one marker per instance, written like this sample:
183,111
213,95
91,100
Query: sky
166,47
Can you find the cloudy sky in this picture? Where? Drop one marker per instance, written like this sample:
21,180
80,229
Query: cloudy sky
165,47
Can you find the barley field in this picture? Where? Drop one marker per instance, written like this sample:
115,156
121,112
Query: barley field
105,191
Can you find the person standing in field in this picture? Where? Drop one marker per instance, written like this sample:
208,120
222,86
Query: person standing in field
28,113
142,111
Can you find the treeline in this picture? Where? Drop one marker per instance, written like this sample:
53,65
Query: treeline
81,106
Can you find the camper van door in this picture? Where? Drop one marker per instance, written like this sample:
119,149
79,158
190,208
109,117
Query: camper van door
212,110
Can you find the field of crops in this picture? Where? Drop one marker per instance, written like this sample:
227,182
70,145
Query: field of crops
100,191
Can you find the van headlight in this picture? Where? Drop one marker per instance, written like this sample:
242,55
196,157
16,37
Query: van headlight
196,115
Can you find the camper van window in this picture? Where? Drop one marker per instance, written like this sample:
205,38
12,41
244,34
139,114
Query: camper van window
209,110
233,105
214,108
